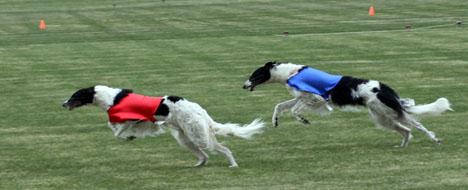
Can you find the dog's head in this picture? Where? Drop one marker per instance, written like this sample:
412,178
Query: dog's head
260,76
80,98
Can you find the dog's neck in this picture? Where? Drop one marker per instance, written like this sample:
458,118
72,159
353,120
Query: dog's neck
282,72
104,97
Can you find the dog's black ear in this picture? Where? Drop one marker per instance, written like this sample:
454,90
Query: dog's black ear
127,91
122,94
270,64
89,90
86,92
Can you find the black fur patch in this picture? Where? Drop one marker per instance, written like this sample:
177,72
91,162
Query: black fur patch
122,94
390,98
162,110
82,97
341,94
271,64
262,74
174,98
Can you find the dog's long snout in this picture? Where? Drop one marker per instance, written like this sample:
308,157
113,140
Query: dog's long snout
66,104
247,84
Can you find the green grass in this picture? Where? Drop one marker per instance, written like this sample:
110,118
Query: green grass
203,50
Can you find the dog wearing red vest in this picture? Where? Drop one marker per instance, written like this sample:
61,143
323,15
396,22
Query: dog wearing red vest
133,116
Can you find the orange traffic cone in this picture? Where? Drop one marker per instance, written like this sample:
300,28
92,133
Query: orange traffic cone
371,11
42,25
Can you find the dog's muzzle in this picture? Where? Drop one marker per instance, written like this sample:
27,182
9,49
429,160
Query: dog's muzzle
248,85
68,105
65,105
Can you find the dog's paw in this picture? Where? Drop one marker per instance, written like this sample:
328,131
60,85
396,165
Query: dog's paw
275,122
201,163
234,166
304,121
398,146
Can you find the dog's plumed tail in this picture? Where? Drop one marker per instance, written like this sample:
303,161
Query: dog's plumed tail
246,131
435,108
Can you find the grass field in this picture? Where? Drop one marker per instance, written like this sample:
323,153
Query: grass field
204,50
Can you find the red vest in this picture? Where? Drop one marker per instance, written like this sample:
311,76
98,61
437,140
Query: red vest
134,107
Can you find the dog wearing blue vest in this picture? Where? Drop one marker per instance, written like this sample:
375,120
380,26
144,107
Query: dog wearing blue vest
132,115
319,91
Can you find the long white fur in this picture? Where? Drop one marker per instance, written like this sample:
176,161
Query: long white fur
246,131
190,125
434,108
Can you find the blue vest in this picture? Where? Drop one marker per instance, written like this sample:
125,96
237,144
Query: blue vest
314,81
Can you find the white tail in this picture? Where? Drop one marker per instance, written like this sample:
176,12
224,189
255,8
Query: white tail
435,108
245,131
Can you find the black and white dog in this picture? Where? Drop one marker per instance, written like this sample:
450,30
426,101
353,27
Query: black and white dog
132,115
314,89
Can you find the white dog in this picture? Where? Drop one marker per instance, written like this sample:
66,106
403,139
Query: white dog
132,115
314,89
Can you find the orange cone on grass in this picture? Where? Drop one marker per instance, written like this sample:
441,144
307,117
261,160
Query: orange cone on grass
371,11
42,25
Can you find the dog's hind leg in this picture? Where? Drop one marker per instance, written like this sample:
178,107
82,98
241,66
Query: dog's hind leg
412,122
183,140
384,121
281,107
227,153
405,132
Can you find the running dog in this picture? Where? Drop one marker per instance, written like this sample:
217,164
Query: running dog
317,90
133,115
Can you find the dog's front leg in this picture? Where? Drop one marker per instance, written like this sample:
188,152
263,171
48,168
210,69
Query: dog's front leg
119,128
297,110
281,107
